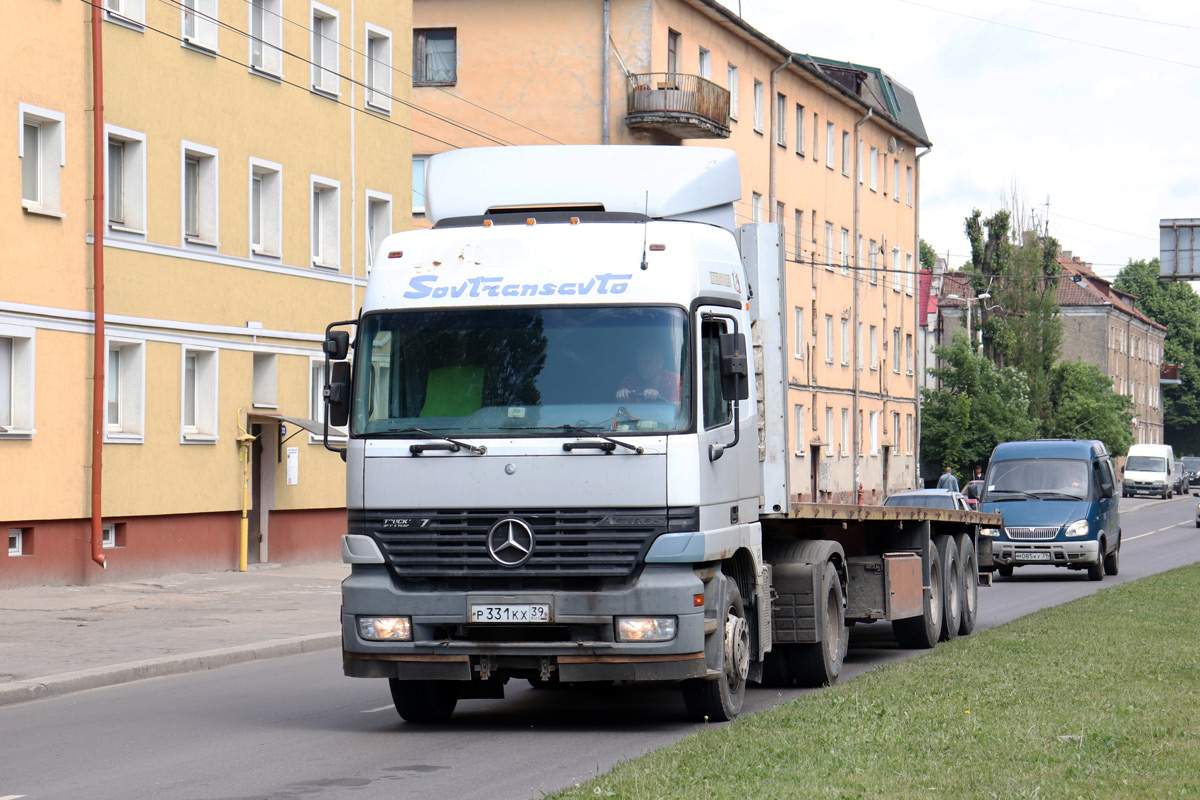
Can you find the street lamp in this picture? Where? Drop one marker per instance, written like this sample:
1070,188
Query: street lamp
968,301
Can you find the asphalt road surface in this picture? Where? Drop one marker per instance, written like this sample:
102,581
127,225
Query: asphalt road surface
296,728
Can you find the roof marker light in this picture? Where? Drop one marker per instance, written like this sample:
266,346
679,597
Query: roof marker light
658,248
396,254
574,220
487,223
531,221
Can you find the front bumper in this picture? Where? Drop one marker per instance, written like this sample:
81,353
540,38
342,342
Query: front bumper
1143,487
578,644
1076,554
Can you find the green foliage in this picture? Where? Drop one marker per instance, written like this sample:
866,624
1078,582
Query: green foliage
1086,407
978,406
1175,305
928,255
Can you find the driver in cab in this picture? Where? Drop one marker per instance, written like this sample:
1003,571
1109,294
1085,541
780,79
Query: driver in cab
651,382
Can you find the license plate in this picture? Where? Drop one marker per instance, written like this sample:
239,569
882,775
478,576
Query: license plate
527,612
1031,556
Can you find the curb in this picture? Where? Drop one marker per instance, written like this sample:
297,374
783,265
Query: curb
68,682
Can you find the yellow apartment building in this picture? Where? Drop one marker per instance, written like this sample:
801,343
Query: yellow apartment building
830,150
251,153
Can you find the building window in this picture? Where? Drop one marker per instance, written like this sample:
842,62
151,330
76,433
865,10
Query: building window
908,353
830,144
874,169
861,146
16,381
798,428
896,350
379,223
326,223
379,68
758,106
846,443
874,433
828,430
908,184
829,245
799,129
897,277
435,57
896,180
17,542
846,153
872,270
325,51
126,181
756,206
673,40
816,132
263,391
124,388
908,273
43,154
799,316
199,19
799,235
781,216
266,208
731,83
112,535
781,120
198,396
909,434
845,255
874,364
895,431
200,195
705,61
845,330
266,36
858,346
418,183
126,11
828,338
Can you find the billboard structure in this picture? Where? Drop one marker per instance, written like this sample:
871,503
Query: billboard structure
1178,242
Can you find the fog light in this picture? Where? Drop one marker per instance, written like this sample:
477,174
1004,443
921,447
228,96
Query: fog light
385,629
645,629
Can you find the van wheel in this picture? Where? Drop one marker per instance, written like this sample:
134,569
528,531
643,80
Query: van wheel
1096,571
1112,561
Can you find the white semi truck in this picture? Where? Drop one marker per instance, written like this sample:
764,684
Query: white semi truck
565,463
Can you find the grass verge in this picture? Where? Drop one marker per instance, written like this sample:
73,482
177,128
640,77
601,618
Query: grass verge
1097,698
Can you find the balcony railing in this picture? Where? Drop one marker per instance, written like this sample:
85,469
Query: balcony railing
684,106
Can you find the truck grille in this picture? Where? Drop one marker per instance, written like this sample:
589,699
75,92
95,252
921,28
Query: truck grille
568,543
1031,534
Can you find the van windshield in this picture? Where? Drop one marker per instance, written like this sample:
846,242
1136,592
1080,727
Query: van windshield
1043,478
1146,464
522,372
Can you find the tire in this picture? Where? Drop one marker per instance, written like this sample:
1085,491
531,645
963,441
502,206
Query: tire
777,667
1095,571
820,663
969,560
1005,570
720,700
1112,561
423,701
951,587
922,632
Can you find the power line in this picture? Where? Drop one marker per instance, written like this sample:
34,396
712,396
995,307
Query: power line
1118,16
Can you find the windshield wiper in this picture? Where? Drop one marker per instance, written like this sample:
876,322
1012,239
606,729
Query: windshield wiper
1058,495
608,446
992,499
453,445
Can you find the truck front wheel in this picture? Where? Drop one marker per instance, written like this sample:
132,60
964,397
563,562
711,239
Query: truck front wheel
720,699
423,701
820,663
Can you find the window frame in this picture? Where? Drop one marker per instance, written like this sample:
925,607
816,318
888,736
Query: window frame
781,105
798,321
829,338
846,154
378,93
132,180
325,215
20,362
130,13
756,207
264,380
704,63
829,245
830,144
198,28
268,61
130,426
203,427
759,99
800,129
420,43
270,209
51,158
325,50
424,162
378,209
208,212
731,83
800,442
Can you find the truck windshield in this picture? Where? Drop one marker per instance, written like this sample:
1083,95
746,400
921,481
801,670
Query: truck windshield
1146,464
1040,477
522,372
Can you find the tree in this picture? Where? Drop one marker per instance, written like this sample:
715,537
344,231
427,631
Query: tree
1176,306
928,255
1086,407
978,406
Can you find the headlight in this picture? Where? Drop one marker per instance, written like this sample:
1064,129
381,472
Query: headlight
385,629
992,532
1078,528
646,629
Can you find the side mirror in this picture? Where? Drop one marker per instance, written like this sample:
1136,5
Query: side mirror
337,392
735,384
337,345
1108,490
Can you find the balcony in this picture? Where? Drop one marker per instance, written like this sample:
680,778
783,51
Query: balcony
683,106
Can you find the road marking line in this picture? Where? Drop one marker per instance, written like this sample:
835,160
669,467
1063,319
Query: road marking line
1127,539
13,797
368,711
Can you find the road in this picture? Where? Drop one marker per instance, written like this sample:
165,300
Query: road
296,728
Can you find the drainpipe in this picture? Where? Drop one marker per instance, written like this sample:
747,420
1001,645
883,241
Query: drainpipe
855,419
605,71
99,353
917,295
771,136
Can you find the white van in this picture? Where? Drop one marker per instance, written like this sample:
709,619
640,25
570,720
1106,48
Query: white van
1148,470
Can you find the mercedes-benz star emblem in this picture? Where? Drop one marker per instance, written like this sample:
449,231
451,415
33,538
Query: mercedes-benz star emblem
510,542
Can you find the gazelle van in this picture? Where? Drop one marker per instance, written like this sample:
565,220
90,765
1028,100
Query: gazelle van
1148,471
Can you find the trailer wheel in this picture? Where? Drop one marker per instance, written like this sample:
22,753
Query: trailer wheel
969,560
951,587
820,663
1112,561
423,701
922,632
720,699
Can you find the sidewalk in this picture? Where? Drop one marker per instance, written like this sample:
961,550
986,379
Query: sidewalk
60,639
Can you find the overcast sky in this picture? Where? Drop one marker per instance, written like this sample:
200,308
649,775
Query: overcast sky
1094,104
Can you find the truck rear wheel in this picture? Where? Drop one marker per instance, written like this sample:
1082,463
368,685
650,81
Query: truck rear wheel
922,632
969,561
720,699
820,663
952,588
423,701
